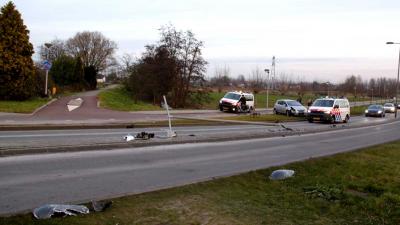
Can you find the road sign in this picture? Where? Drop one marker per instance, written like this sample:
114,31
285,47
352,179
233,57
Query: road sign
46,65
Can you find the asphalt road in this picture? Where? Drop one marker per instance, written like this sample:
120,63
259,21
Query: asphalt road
51,138
29,181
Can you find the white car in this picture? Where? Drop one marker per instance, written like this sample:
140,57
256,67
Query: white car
231,101
389,107
289,107
323,109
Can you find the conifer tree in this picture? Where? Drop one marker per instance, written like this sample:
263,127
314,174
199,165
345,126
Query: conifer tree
16,65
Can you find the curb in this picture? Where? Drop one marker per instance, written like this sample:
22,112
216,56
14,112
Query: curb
43,106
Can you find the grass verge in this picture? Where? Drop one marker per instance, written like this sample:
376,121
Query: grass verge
27,106
119,99
360,187
265,118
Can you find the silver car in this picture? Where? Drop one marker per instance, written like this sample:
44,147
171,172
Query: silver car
389,107
289,107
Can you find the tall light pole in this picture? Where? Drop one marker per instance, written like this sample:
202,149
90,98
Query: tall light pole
47,66
267,72
398,69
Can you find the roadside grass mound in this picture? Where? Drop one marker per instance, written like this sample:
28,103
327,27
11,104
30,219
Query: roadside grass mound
360,187
119,99
265,118
27,106
358,110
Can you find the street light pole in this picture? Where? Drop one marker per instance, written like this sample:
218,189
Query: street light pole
48,47
397,83
267,72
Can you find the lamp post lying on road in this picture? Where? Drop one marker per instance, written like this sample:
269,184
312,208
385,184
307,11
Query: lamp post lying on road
397,82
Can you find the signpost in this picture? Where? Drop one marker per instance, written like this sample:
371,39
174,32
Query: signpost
46,66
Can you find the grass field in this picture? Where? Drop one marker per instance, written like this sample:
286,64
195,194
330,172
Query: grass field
119,99
27,106
265,118
360,187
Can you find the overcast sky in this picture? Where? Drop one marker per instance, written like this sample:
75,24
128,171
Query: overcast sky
325,40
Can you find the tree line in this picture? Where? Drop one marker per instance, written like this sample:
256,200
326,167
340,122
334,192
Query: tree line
173,66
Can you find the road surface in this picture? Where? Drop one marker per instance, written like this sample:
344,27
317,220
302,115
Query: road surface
32,180
51,138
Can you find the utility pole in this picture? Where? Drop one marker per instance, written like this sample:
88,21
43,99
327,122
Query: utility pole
267,72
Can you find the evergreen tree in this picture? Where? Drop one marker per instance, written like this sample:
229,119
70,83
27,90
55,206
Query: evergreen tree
16,66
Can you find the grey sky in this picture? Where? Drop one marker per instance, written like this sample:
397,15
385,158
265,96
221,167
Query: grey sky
312,39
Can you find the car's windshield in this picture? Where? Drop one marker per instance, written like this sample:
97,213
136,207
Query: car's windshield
389,105
232,96
374,107
323,103
293,103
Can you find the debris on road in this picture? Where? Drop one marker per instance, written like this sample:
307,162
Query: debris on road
144,135
129,137
286,128
281,174
55,210
74,104
100,206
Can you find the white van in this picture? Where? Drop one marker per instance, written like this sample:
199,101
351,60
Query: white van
323,109
231,102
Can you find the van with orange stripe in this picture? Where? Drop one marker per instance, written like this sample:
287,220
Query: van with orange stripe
329,109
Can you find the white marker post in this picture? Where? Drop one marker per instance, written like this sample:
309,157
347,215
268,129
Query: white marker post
170,132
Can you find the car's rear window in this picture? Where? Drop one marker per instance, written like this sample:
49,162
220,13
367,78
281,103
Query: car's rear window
323,103
294,103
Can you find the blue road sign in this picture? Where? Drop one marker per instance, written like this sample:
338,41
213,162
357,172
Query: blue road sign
46,65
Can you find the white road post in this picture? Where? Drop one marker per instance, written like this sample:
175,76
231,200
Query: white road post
170,132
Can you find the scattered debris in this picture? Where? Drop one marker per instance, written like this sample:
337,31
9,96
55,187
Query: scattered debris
100,206
129,137
144,135
55,210
281,174
286,128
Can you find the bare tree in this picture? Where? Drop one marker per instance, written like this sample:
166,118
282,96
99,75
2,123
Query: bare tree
52,50
93,48
257,80
221,77
186,49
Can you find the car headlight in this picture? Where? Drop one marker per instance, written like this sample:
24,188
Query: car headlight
380,111
366,111
327,112
220,101
308,111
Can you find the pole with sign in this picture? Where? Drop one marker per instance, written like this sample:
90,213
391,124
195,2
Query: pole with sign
47,66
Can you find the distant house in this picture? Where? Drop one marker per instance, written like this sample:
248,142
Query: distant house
101,79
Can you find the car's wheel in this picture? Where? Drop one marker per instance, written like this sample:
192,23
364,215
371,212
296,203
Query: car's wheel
274,111
221,108
346,120
251,109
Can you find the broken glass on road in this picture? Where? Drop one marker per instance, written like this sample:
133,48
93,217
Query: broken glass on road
55,210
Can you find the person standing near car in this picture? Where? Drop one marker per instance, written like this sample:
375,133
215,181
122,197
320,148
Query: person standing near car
242,101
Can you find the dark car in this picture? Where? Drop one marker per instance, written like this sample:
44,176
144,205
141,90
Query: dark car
375,110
